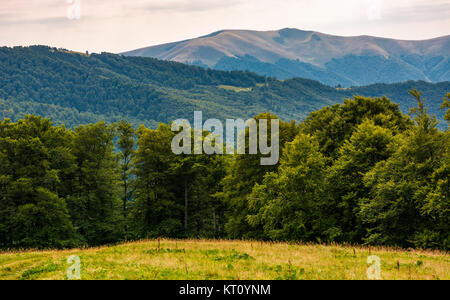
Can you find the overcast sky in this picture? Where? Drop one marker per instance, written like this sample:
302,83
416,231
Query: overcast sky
120,25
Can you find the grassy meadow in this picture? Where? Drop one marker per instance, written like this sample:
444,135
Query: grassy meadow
224,260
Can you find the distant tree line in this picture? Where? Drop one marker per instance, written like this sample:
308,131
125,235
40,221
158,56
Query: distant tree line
357,172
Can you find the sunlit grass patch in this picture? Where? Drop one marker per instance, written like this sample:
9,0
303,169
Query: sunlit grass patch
235,88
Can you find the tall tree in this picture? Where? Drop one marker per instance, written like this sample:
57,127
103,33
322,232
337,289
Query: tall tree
201,176
368,145
94,203
157,209
243,172
288,205
126,144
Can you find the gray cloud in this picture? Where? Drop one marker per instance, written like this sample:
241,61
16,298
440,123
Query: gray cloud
429,11
5,17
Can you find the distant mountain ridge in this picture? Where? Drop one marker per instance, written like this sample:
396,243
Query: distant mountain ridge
332,60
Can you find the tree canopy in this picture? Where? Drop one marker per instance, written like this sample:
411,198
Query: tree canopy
357,172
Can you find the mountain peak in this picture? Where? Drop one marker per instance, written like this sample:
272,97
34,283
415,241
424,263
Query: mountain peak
291,52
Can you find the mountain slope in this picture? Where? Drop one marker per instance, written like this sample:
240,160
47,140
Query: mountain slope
73,89
330,59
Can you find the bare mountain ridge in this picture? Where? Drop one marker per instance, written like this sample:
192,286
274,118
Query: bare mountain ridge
331,59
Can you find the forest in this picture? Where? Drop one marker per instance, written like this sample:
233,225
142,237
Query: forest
74,89
359,172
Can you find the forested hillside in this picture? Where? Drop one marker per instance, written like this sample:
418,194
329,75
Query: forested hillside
357,172
74,89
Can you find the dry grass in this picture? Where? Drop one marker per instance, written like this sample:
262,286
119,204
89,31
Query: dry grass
234,260
235,88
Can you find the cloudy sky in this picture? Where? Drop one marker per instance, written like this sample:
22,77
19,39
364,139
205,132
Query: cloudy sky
120,25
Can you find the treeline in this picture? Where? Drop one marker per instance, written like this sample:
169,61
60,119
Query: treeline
357,172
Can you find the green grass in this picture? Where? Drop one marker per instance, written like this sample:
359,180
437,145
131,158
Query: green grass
223,260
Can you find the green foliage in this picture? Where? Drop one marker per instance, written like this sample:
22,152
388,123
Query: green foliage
364,173
33,154
74,89
288,204
126,145
95,198
332,126
446,105
173,194
408,202
368,145
155,209
44,222
357,172
244,171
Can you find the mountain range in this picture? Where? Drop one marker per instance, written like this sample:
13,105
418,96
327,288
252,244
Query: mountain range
332,60
77,88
